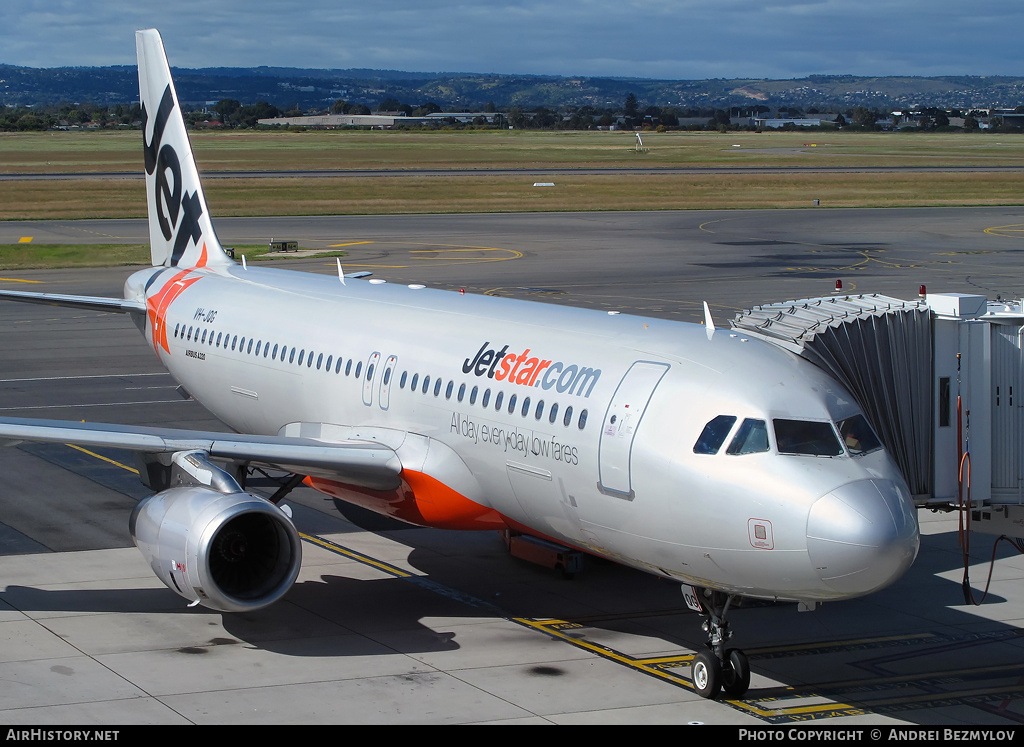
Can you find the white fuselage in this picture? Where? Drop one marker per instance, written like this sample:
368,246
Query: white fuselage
571,424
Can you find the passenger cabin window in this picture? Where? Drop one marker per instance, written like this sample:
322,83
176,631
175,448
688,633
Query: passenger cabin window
858,436
714,434
806,438
751,438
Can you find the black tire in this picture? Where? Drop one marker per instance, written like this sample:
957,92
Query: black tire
735,673
706,672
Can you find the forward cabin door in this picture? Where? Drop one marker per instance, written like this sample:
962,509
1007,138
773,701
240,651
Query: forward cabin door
618,429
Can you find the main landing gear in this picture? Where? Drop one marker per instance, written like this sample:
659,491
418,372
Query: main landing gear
719,669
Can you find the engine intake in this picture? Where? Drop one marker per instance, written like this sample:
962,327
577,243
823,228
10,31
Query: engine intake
232,552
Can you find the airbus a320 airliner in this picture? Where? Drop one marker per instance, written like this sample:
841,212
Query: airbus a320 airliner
728,465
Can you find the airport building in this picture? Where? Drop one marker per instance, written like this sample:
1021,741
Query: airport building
382,120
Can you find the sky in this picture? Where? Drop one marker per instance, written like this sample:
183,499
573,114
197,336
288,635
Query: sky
663,39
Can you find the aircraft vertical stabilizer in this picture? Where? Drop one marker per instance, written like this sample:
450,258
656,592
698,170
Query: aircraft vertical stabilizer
180,230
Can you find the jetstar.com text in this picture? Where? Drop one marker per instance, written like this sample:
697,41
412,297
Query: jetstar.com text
531,370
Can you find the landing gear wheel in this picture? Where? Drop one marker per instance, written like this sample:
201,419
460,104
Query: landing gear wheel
706,671
735,673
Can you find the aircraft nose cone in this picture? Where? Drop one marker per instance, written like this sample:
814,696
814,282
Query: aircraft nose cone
862,536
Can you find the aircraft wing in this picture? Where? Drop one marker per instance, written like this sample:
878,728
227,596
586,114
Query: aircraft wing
362,463
94,303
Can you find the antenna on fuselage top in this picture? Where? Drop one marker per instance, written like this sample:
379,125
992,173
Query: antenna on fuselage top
341,273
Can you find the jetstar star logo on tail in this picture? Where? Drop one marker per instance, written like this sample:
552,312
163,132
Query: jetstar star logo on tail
531,370
159,303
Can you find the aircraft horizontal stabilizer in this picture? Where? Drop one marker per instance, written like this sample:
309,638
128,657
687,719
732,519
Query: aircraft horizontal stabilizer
93,303
365,464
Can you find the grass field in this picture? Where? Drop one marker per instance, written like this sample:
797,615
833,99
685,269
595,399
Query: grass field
35,256
120,152
85,152
125,198
32,256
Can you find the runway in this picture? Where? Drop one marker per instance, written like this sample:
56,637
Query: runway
391,624
582,171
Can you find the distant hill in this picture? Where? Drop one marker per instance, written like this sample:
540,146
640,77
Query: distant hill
317,89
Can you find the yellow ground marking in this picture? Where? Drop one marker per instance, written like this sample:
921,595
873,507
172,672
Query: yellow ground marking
866,256
25,240
18,280
1014,231
788,707
358,556
103,458
554,628
587,292
351,243
443,254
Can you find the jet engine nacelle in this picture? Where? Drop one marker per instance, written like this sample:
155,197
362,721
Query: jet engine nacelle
233,552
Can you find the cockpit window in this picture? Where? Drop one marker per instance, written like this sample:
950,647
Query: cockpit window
713,435
751,438
806,437
858,435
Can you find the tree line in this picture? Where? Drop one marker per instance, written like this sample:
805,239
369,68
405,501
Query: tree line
232,114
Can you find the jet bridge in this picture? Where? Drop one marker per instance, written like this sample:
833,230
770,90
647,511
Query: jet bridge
880,349
940,378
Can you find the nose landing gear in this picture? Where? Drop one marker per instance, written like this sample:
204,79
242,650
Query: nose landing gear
719,668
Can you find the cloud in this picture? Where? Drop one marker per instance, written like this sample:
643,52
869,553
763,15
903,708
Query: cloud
624,38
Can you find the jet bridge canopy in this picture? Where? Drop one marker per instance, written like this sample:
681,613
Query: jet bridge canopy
880,348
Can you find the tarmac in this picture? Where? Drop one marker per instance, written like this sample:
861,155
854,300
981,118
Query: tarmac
392,624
